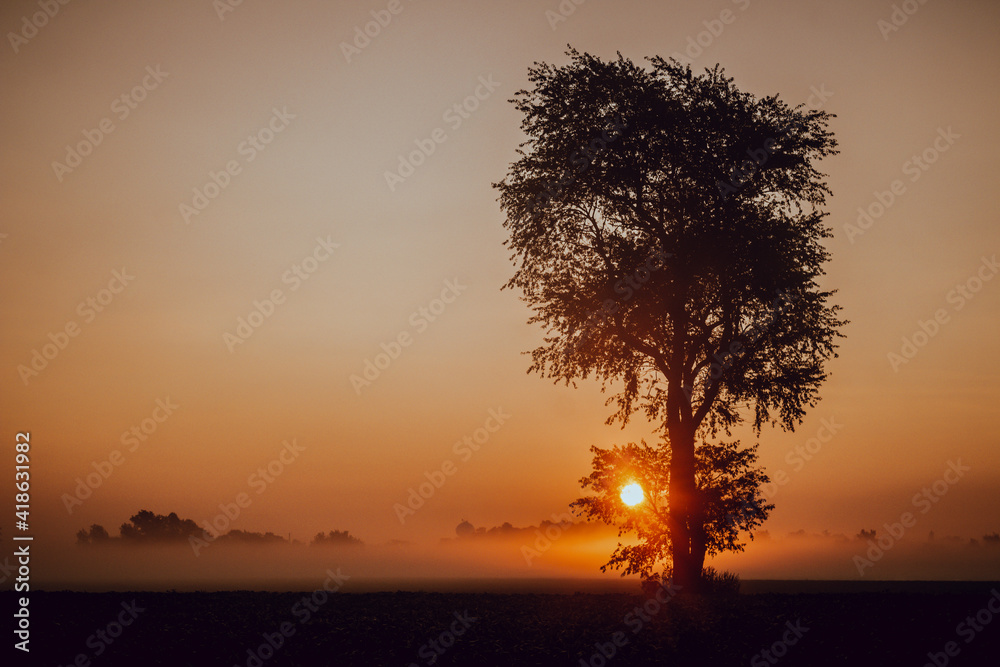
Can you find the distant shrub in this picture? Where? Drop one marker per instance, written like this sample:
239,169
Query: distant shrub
714,582
991,539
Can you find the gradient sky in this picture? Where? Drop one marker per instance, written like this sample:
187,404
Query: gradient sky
343,125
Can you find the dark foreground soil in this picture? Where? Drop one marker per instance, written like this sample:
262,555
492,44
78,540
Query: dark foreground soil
233,628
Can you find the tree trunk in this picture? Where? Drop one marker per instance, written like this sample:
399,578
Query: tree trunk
699,539
684,551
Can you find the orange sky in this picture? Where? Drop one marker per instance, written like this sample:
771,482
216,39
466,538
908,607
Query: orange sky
281,138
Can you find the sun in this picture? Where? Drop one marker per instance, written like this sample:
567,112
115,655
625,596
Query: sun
632,494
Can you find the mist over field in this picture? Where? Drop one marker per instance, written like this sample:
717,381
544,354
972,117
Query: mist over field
566,558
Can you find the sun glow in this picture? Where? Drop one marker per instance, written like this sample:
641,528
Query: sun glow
632,494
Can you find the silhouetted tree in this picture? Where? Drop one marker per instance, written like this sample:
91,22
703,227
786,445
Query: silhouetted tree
506,528
96,535
667,233
866,534
145,526
336,538
727,485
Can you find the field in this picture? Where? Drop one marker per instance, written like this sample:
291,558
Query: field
889,624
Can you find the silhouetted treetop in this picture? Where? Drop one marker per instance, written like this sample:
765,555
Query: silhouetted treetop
96,535
146,526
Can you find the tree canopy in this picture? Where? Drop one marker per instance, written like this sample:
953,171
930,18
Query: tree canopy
644,265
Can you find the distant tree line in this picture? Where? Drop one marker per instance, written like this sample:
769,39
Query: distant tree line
991,539
564,522
147,527
335,538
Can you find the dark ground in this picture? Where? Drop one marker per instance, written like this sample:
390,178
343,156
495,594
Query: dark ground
897,625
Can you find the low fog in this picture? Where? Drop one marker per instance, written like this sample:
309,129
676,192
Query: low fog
555,557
